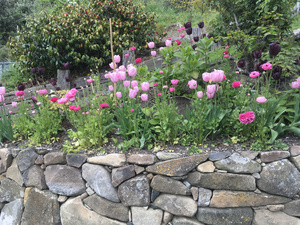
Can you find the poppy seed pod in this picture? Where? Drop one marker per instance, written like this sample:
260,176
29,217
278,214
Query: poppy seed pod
196,38
241,63
276,73
201,25
189,31
257,54
274,48
188,25
21,87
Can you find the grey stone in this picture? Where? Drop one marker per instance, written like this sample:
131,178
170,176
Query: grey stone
167,156
176,204
224,181
169,185
34,177
15,152
204,197
238,164
138,169
249,154
265,217
106,208
256,175
275,208
296,161
207,167
26,159
167,218
273,156
154,195
64,180
180,220
187,184
10,190
39,160
76,160
62,198
41,208
222,199
142,159
73,212
286,183
292,208
135,192
232,216
90,191
177,167
53,158
11,213
61,79
115,160
295,150
195,193
99,179
141,216
5,159
215,156
14,173
121,174
42,150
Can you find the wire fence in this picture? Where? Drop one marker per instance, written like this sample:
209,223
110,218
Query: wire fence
4,66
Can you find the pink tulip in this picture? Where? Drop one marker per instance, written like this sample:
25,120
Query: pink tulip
132,93
10,112
114,78
136,88
121,75
261,99
161,72
43,92
126,83
165,86
14,104
151,44
119,94
199,94
295,85
192,84
145,86
113,66
122,68
298,80
168,43
132,71
153,53
217,75
172,89
2,90
174,82
89,80
210,95
117,58
134,83
144,97
206,77
211,88
254,74
110,88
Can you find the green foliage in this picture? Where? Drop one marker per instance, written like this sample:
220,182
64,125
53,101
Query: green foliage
80,35
6,130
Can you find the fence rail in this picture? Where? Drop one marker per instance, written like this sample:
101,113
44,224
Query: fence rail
4,66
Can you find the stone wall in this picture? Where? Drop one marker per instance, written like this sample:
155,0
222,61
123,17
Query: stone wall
42,187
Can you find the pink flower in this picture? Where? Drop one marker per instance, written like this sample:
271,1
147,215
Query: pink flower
126,83
206,77
155,84
132,71
132,48
298,80
161,72
172,89
121,75
122,68
20,93
144,97
39,103
104,105
10,112
217,75
182,35
117,58
210,95
227,47
224,77
254,74
295,85
192,84
236,84
145,86
266,66
87,113
33,111
151,44
77,108
261,99
178,43
132,93
114,78
134,83
247,117
14,104
21,97
174,82
113,66
132,110
159,94
226,56
110,88
2,90
225,52
199,94
138,61
165,86
191,41
168,43
153,53
62,100
83,113
89,80
169,38
126,55
211,88
136,88
2,98
119,94
54,99
72,107
71,94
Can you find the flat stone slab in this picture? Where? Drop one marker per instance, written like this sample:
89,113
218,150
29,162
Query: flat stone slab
215,156
121,174
142,159
273,156
53,158
238,164
168,155
14,173
26,159
12,212
265,217
10,190
177,167
204,197
176,204
207,167
146,217
292,208
181,220
5,159
296,161
76,160
224,181
115,160
285,183
232,216
169,185
295,150
223,199
34,177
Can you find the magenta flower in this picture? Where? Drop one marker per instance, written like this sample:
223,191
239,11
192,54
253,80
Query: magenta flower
132,48
174,82
77,108
117,58
110,88
20,93
226,56
104,105
134,83
159,94
254,74
132,71
199,94
261,99
182,35
126,83
119,94
151,44
236,84
266,66
192,84
247,117
126,55
131,110
89,80
62,100
71,107
145,86
144,97
161,72
155,84
172,89
43,92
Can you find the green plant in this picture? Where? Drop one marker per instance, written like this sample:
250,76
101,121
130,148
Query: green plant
6,131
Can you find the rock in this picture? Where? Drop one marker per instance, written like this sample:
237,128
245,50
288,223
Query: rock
41,208
11,213
150,176
238,164
139,159
285,183
180,220
295,150
195,193
265,217
61,79
26,159
296,161
232,216
176,204
5,159
121,174
106,208
135,192
26,193
215,156
15,152
204,197
53,158
223,199
90,191
154,195
177,167
10,190
224,181
115,160
249,154
62,199
34,177
169,185
42,150
76,160
292,208
14,173
256,175
275,208
138,169
207,167
73,212
141,216
273,156
167,156
39,160
297,34
64,180
99,179
167,218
